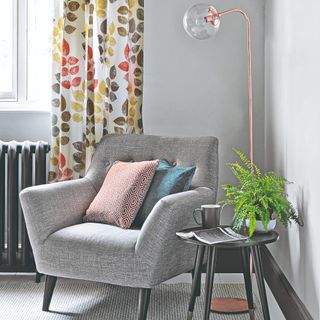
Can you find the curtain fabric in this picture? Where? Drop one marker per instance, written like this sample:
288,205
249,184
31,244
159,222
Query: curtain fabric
97,78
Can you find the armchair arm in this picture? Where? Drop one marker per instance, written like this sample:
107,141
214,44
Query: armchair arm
157,240
50,207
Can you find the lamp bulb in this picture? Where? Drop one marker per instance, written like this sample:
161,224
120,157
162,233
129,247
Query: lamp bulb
201,21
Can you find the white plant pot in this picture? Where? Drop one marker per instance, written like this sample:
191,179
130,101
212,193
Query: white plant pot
260,227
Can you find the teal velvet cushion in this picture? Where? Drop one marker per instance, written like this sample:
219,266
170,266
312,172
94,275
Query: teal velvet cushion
167,180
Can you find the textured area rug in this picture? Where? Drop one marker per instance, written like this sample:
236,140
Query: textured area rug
21,299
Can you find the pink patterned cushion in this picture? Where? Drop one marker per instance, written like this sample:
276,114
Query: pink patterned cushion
122,193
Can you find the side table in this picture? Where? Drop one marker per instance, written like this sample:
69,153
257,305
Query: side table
251,245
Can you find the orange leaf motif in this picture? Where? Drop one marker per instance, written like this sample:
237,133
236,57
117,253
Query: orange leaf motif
62,160
65,48
124,66
63,61
66,84
59,176
64,71
73,60
74,70
126,51
76,81
90,75
67,173
89,52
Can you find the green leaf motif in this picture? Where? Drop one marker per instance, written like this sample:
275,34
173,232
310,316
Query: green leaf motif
122,20
77,157
113,72
125,108
120,121
122,31
73,5
123,10
140,27
140,58
132,25
69,29
140,14
77,145
71,16
64,140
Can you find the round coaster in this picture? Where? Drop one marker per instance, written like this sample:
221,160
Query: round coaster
229,305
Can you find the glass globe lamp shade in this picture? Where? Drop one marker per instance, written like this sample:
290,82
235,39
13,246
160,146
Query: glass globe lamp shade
196,24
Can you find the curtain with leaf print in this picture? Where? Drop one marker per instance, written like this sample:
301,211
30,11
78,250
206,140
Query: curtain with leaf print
97,78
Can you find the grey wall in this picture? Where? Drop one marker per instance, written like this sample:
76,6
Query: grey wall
292,134
195,88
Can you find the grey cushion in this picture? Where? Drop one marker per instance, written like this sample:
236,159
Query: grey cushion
64,247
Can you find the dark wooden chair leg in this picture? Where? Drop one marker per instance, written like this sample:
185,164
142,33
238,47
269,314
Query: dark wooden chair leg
48,291
38,277
258,268
245,254
144,299
196,280
211,262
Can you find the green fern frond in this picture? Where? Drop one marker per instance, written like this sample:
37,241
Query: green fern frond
257,195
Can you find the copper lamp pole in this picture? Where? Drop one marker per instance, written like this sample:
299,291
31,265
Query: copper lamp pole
202,22
214,18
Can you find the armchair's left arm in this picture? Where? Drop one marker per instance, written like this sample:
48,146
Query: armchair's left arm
48,208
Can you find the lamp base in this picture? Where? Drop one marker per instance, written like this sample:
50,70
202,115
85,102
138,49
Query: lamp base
230,306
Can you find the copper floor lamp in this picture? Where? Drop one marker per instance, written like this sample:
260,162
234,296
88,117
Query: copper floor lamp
201,22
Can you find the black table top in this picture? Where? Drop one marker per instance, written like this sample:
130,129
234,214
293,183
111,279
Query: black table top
256,239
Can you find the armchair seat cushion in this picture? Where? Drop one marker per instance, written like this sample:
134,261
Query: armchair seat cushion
95,251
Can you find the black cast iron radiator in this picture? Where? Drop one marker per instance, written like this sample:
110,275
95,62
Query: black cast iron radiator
21,165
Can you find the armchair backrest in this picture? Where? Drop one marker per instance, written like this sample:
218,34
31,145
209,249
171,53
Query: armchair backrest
201,152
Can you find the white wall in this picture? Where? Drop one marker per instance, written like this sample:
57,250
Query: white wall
24,125
292,134
196,88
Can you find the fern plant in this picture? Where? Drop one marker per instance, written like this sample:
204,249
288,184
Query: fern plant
257,196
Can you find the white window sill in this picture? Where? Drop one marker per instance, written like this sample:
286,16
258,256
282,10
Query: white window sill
23,107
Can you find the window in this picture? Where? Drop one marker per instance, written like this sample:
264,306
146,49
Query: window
8,50
25,52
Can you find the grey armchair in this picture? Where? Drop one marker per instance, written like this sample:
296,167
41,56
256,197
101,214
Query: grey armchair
63,246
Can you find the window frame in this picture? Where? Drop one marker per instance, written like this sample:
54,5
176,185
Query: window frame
13,95
18,99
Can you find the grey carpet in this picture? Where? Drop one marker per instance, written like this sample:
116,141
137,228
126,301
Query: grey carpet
21,299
